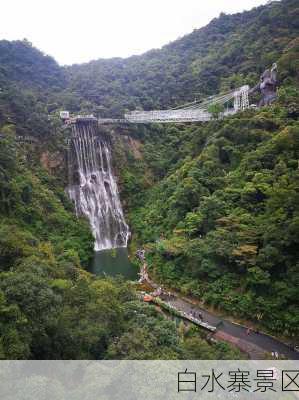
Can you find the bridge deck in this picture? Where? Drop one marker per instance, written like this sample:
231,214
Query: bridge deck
166,116
158,116
192,112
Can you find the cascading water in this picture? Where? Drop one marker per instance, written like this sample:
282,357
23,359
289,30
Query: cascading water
93,188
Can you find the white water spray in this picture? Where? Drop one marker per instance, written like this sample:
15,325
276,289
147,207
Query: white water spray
93,188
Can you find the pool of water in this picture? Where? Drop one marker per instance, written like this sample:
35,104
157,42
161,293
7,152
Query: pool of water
113,262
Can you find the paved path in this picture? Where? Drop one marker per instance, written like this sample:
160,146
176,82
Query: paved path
255,344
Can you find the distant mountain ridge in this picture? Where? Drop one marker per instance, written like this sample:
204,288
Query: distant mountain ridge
214,205
231,50
21,63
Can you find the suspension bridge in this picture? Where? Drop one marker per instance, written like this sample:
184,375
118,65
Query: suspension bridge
196,111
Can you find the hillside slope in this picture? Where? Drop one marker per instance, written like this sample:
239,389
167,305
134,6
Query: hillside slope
217,207
50,307
230,51
29,82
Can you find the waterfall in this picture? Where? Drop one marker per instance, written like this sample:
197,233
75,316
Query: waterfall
92,186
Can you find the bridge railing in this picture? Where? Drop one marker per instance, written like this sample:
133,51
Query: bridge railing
197,111
167,116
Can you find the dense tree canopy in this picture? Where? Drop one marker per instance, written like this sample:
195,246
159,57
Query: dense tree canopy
50,307
220,214
229,52
215,205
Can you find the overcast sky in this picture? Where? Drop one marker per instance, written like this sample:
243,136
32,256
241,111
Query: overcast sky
79,31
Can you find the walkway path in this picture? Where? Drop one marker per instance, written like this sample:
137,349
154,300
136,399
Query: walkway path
255,344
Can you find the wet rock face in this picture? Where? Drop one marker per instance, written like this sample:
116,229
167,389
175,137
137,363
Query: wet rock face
51,161
93,188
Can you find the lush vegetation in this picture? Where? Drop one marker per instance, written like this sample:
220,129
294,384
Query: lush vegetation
29,82
216,205
219,211
230,51
50,307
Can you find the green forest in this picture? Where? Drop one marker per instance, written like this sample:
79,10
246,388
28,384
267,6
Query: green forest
215,205
51,308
